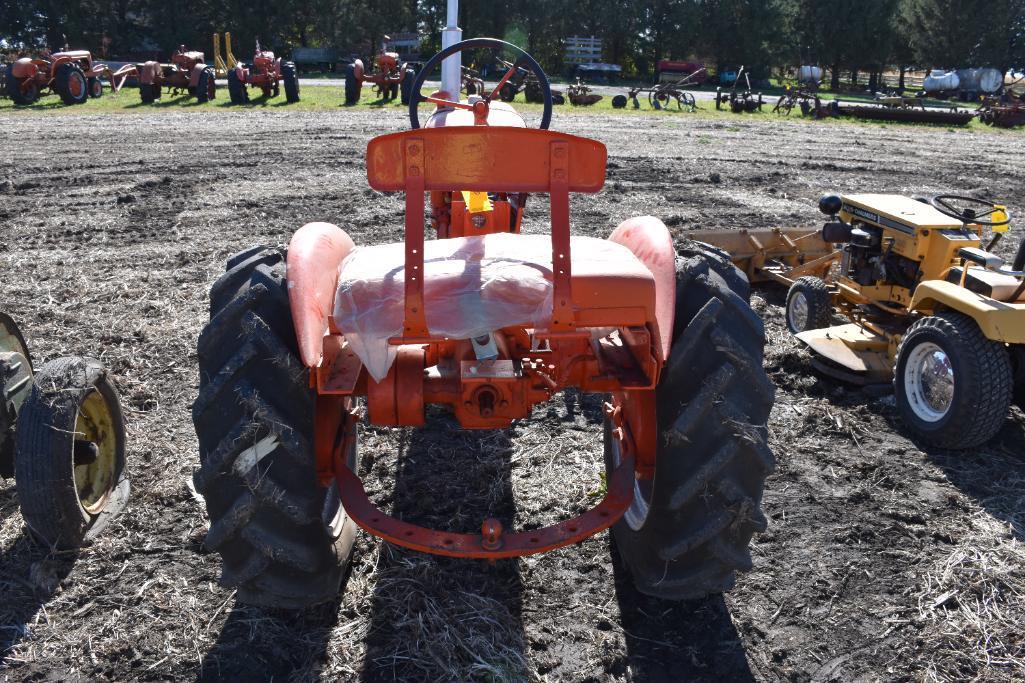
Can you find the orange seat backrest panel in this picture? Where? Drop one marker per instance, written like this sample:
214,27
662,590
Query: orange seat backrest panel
485,158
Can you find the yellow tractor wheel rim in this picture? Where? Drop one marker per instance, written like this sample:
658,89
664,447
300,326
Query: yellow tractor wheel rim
94,481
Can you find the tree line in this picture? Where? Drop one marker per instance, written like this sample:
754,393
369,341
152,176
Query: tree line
841,35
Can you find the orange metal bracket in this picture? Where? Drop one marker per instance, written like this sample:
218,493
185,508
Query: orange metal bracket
491,543
562,302
416,321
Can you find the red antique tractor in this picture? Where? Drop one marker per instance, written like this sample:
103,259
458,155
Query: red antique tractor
71,74
188,72
265,72
488,323
387,79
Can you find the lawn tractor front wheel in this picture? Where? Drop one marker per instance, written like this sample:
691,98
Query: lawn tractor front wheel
687,531
71,84
953,386
291,80
809,305
284,540
69,466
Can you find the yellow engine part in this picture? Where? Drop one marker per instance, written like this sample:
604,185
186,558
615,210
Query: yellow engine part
476,202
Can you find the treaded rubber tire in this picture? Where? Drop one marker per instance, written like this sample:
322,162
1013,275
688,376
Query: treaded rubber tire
237,91
254,420
146,92
507,93
291,81
619,102
206,87
719,261
820,303
352,86
44,452
95,87
983,381
15,93
713,402
62,83
407,84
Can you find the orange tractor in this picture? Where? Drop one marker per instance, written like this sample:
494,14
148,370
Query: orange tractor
188,72
387,79
265,72
71,74
488,323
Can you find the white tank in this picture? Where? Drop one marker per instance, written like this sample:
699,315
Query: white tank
940,81
809,74
980,80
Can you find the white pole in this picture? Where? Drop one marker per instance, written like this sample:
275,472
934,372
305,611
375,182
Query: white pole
451,68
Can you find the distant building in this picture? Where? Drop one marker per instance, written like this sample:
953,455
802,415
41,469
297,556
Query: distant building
582,50
406,44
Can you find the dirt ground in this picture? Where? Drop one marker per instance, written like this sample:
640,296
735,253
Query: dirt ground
883,560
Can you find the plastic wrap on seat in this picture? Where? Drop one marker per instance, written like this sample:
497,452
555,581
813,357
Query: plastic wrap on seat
472,286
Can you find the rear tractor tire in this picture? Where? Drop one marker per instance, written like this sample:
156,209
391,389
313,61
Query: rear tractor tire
953,385
687,532
809,305
69,466
206,88
291,82
284,540
353,86
237,91
14,91
71,84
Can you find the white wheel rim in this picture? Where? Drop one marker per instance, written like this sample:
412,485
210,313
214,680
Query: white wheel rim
929,382
637,513
798,311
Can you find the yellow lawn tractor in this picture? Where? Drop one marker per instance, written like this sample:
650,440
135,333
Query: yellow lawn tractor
931,309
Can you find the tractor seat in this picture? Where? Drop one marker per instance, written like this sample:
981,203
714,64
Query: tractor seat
475,285
987,283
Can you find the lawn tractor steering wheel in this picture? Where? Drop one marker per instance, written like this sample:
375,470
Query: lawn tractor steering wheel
952,205
523,60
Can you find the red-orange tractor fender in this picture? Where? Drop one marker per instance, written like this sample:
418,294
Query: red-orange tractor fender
24,68
314,256
194,76
649,239
148,72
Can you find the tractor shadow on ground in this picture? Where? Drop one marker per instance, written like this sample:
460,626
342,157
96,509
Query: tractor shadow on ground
993,475
439,618
258,644
30,576
674,641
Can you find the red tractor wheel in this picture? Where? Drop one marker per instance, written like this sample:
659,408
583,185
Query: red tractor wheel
71,84
207,87
284,540
687,531
291,80
95,87
14,90
237,91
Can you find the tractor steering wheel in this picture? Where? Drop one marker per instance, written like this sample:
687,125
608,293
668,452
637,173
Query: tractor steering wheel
522,60
947,205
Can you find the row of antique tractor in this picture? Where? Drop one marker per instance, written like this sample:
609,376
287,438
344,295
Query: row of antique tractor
75,76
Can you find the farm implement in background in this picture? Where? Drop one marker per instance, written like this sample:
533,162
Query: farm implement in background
662,94
894,108
739,101
73,75
581,95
